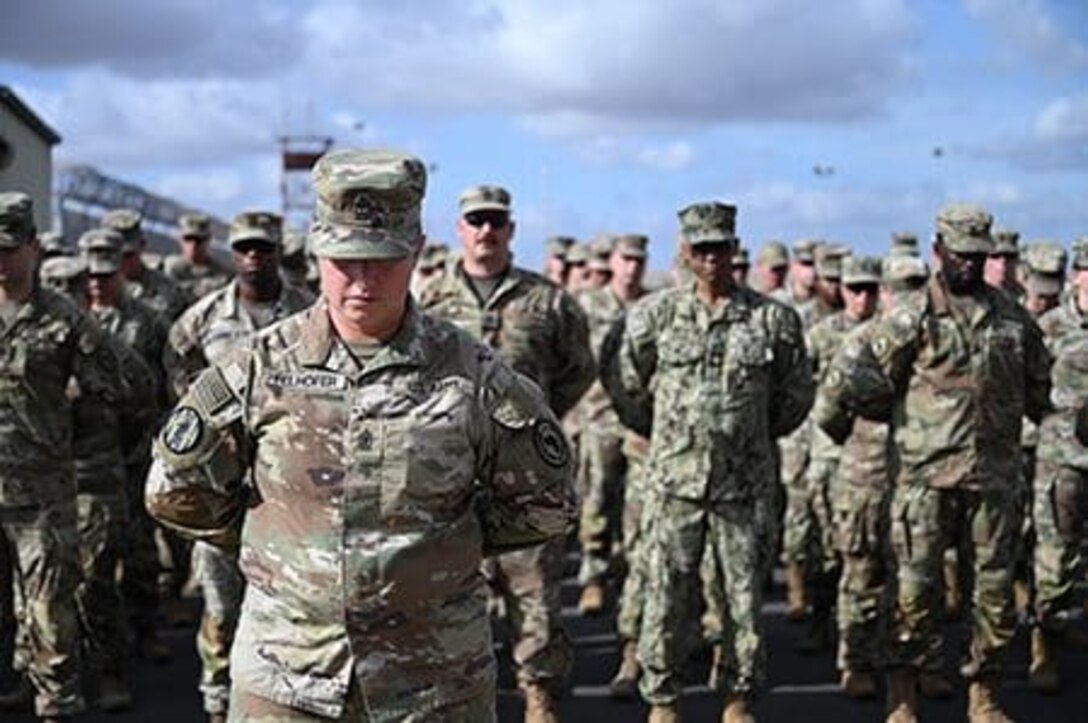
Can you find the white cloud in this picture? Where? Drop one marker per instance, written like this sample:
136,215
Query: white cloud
1029,27
675,156
1057,139
1064,119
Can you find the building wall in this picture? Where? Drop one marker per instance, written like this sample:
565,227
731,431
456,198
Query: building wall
30,168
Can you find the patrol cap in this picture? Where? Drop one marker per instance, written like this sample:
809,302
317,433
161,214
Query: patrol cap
484,198
632,245
741,259
829,262
16,219
61,268
294,243
861,270
52,244
965,228
256,226
804,250
1080,253
1005,242
127,221
1045,261
101,249
600,248
368,204
558,245
773,255
433,255
903,268
904,243
577,254
710,222
194,225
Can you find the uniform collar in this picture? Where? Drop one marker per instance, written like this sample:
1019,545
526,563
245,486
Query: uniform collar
319,342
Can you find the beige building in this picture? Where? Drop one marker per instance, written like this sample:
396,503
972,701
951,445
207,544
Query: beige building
26,155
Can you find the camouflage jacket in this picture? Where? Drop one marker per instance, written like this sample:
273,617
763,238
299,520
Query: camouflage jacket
211,328
375,493
536,326
866,457
603,308
955,388
1066,330
49,343
196,281
141,329
823,341
109,440
159,293
713,389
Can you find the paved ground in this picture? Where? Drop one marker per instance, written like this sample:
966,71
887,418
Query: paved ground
801,688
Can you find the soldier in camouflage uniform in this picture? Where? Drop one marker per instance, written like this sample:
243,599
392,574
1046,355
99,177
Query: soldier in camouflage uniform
1060,493
195,270
772,268
860,494
717,373
144,284
142,330
742,264
961,366
603,467
375,455
539,331
204,335
577,268
860,284
555,264
1002,262
46,343
904,243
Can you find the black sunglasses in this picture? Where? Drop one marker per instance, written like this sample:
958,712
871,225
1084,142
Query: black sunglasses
260,247
494,219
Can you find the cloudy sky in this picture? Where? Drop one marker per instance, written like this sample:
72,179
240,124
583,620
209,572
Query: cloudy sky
599,115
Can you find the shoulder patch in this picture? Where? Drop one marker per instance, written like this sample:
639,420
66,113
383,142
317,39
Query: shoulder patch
550,443
183,430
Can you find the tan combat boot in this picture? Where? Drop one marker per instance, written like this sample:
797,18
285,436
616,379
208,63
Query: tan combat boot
858,684
795,592
664,714
540,705
1043,671
736,710
902,697
982,705
592,600
933,685
625,685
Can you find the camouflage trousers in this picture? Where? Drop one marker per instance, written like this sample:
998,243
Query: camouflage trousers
924,522
823,566
528,582
42,546
1060,508
861,538
102,528
603,468
249,708
677,539
223,586
798,526
140,571
637,512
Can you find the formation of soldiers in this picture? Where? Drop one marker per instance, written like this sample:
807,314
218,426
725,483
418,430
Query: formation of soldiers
360,447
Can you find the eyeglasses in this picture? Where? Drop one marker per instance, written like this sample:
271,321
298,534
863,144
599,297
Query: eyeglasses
863,288
494,219
258,247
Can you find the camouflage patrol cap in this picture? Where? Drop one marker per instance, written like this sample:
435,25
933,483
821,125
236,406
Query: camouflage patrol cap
61,268
577,254
741,259
194,225
829,262
433,255
16,219
484,198
101,249
368,204
256,226
294,243
903,268
965,228
711,222
53,243
600,248
904,243
558,245
804,250
128,222
774,255
1045,261
1080,253
1006,242
632,245
861,270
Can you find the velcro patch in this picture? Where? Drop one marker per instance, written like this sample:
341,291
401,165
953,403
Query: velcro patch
308,381
210,392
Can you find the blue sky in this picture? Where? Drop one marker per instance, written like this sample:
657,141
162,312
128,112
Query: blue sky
599,115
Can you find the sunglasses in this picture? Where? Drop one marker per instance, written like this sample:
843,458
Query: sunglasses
863,288
494,219
259,247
